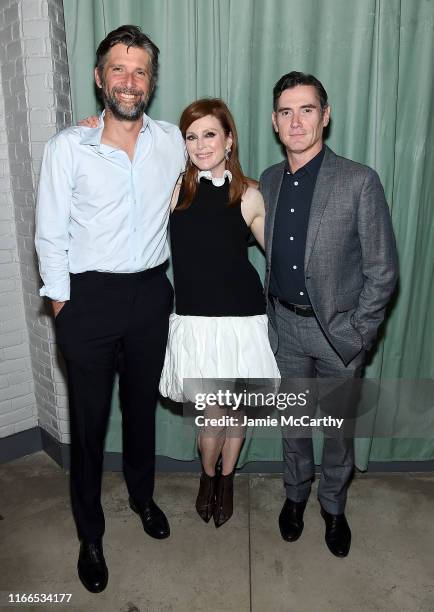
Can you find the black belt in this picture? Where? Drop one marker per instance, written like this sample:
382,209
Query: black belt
95,276
299,309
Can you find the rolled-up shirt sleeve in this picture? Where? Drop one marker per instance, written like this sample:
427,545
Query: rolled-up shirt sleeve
52,219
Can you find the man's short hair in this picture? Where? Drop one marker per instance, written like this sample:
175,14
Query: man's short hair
292,79
131,36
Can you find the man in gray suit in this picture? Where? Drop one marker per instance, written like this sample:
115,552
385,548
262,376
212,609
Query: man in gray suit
331,269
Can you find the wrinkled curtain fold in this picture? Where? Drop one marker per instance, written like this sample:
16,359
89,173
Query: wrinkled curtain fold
375,59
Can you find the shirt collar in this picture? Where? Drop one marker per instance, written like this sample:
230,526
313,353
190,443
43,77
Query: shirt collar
217,181
92,136
312,167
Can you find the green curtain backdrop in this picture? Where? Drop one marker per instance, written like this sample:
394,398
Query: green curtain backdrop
375,59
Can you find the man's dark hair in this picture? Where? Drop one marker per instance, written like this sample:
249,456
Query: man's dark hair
131,36
292,79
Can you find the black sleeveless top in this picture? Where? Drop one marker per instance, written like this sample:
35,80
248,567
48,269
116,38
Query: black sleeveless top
212,273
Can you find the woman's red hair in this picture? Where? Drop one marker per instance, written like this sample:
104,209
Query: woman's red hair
218,109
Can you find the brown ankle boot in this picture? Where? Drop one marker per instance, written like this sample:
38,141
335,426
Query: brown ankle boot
205,500
224,505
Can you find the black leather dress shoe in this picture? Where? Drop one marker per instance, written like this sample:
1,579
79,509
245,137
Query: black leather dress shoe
338,533
291,520
92,569
153,519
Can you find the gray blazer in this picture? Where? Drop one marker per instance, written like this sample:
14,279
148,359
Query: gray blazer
350,262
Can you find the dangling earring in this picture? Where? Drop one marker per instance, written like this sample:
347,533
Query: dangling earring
227,154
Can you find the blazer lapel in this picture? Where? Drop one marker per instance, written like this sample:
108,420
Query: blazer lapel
323,186
274,190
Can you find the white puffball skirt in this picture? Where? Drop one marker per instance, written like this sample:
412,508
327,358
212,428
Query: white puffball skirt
229,348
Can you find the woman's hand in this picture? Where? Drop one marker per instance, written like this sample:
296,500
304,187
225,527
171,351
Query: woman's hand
91,121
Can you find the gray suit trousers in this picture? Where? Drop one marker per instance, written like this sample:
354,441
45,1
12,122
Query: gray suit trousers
305,352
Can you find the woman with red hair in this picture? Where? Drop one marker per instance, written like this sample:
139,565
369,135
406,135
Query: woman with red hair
219,330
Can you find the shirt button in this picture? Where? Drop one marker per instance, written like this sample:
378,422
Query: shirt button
296,183
292,210
291,237
294,267
301,292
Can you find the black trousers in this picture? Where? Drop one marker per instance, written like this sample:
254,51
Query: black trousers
108,316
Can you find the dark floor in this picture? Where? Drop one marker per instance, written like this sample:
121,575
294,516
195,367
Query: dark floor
243,566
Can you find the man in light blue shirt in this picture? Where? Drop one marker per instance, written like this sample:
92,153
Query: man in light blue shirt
100,210
101,238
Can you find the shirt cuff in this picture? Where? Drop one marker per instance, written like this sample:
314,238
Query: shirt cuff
59,293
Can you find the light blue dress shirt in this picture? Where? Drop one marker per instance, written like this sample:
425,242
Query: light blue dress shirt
97,210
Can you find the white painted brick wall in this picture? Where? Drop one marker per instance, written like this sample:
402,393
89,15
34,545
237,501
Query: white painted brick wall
35,105
17,398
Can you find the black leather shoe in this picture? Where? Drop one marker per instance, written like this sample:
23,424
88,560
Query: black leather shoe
338,533
153,519
92,569
291,520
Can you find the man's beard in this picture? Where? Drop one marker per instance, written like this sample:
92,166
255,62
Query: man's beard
123,112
